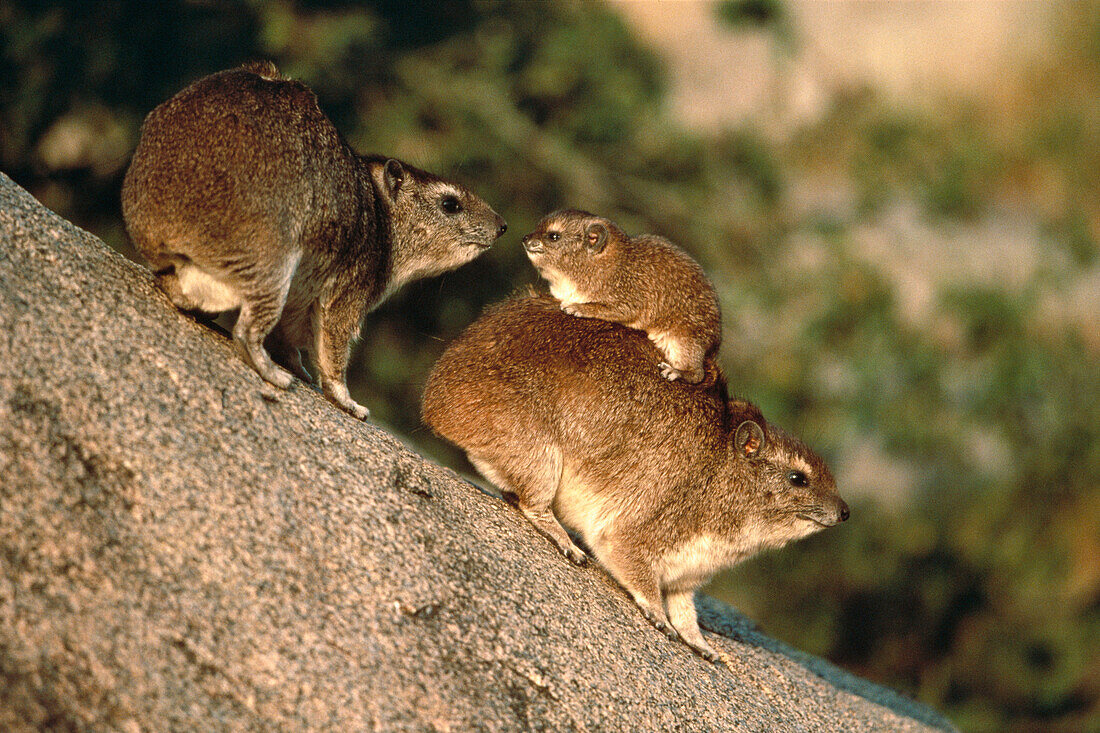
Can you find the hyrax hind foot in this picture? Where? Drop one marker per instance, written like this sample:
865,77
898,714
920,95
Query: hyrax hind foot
671,373
575,554
272,373
659,621
259,360
704,650
546,523
249,333
581,310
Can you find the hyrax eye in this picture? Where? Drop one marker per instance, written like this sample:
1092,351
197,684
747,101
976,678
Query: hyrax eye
553,236
797,478
450,205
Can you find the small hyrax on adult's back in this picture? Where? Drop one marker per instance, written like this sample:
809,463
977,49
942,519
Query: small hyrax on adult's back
646,282
243,195
666,483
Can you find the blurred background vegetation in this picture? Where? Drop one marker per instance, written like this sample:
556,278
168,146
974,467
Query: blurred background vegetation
912,285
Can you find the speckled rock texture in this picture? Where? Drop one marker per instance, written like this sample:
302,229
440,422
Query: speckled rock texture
182,547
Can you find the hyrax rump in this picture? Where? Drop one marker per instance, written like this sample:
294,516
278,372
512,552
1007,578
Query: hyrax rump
646,282
666,483
242,194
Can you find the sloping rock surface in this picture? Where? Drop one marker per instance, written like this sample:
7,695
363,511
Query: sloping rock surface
184,548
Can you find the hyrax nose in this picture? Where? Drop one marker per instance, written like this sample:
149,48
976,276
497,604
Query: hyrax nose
502,228
843,511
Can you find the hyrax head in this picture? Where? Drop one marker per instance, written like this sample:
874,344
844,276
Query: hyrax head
435,224
789,487
567,243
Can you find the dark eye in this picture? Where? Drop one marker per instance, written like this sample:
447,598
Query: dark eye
553,236
797,478
450,205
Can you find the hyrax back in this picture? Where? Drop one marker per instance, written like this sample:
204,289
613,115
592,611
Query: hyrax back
242,194
645,282
666,483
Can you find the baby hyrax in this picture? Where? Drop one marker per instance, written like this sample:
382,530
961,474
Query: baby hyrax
664,482
242,195
646,282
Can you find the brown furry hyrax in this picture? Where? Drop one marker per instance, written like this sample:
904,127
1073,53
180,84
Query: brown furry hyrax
646,282
666,483
242,195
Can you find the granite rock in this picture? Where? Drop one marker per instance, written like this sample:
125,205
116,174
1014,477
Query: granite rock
183,547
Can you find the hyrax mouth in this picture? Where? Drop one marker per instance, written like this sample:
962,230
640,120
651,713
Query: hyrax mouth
479,240
818,519
532,245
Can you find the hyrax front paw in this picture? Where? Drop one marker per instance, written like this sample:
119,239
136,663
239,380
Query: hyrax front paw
357,411
338,394
669,372
573,309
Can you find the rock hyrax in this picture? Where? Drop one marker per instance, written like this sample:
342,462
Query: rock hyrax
242,195
666,483
646,282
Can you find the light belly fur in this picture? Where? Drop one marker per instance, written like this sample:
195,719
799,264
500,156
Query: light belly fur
211,294
582,510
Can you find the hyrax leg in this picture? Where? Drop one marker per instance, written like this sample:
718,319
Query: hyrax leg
262,303
533,485
335,324
637,576
681,613
249,333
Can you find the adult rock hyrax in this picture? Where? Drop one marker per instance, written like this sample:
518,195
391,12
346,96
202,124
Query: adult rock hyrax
665,483
243,195
646,282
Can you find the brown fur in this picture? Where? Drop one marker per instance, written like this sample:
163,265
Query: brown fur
646,282
665,482
242,194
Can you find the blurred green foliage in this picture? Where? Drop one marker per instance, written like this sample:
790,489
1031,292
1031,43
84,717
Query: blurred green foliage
978,589
769,15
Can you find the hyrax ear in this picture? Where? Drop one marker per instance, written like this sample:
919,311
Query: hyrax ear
393,175
749,439
595,236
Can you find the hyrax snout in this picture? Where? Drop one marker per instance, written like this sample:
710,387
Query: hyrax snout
646,282
664,482
243,195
